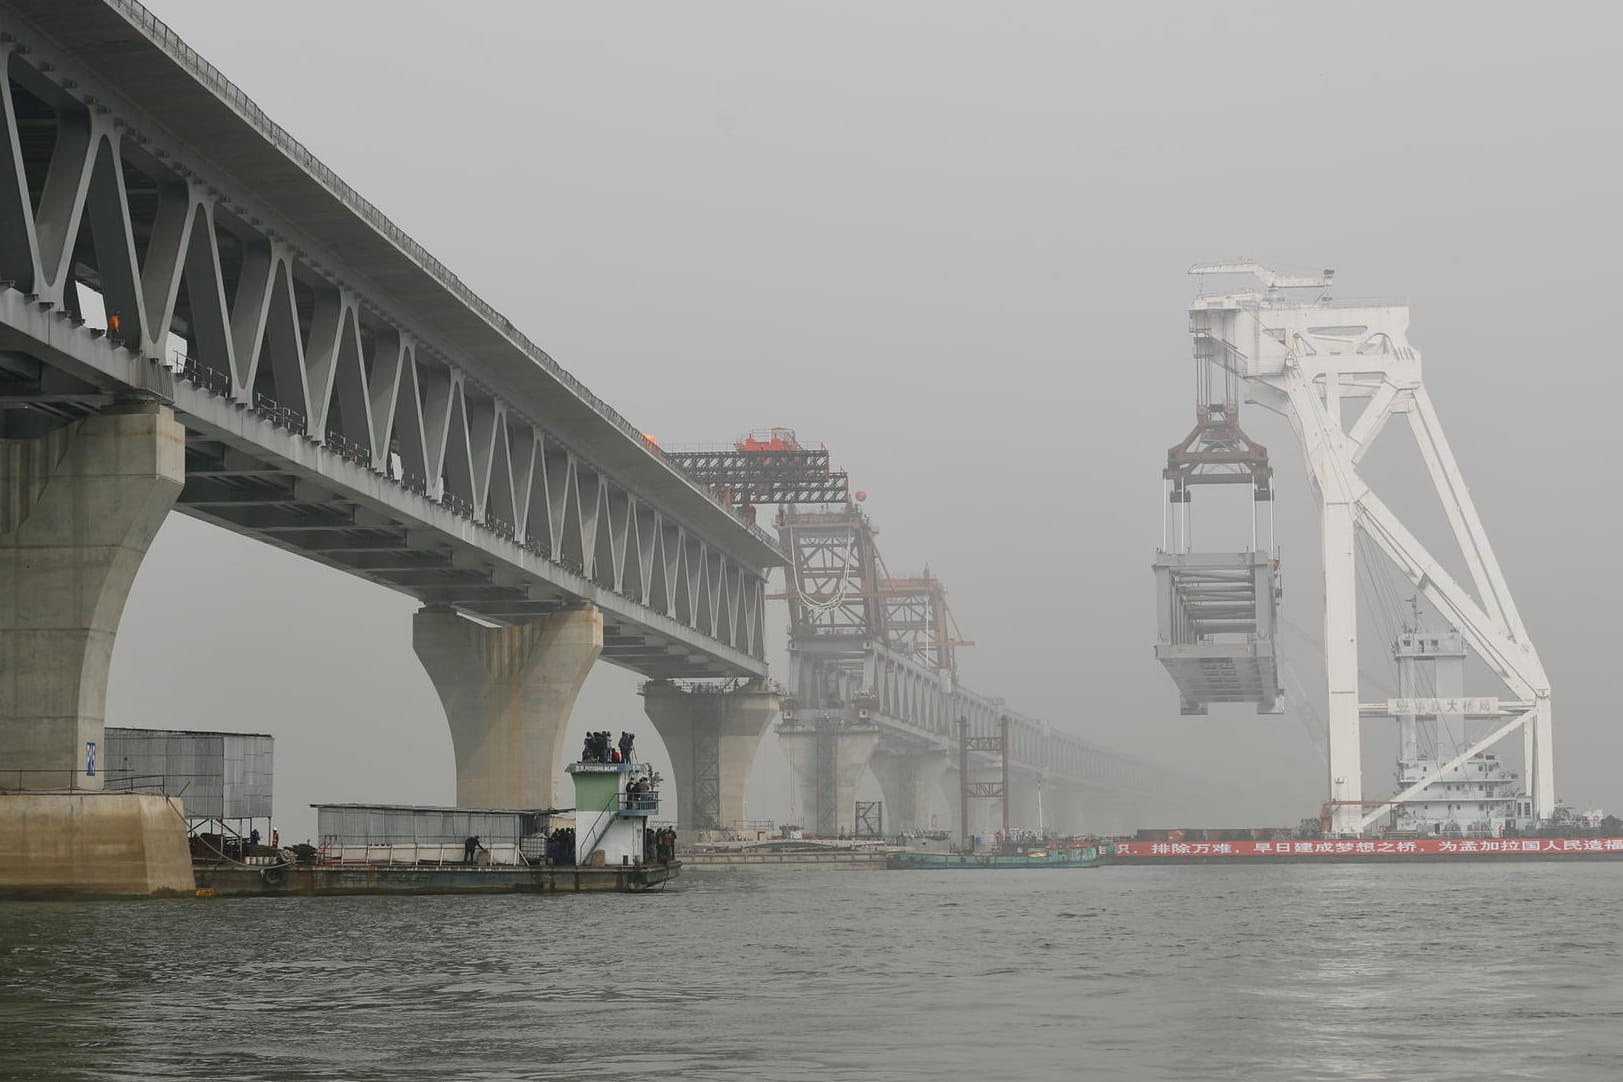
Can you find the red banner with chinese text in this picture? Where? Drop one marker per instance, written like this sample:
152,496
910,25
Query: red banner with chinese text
1344,847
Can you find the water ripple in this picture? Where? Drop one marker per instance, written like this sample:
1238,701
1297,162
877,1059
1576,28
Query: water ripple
1287,974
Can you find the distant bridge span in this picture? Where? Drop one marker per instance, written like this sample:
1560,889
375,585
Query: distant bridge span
873,677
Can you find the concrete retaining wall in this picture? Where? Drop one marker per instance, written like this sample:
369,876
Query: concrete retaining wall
67,845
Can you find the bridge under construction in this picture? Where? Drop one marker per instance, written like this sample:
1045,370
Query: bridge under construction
873,676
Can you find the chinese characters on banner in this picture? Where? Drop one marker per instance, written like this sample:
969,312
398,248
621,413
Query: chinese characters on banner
1478,707
1407,847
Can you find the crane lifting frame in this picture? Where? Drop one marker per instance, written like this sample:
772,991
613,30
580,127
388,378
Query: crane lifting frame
1303,360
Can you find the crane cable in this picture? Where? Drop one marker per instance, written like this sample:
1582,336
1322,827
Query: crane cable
821,606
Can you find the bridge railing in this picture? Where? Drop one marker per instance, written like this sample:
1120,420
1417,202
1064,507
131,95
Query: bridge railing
431,852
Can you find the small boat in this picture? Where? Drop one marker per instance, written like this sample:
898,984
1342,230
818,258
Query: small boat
1054,855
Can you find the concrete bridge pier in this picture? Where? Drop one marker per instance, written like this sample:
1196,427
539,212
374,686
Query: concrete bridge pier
828,757
911,784
1062,808
985,813
1023,791
508,693
79,505
947,795
711,736
1106,813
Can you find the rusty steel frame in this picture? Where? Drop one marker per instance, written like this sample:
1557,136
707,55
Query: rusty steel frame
994,790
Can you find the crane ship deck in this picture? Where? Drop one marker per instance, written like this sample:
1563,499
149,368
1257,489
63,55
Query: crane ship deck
1366,851
1590,836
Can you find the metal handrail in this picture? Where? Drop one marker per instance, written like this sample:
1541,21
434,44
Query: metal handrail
76,780
70,776
435,850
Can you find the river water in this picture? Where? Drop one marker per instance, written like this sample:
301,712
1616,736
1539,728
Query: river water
1295,973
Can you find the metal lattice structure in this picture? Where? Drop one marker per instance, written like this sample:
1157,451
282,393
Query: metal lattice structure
345,396
1305,359
870,651
1217,609
839,588
707,777
1218,613
751,472
828,775
870,819
969,788
835,581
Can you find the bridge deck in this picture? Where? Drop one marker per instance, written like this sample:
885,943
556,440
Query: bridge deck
355,402
137,57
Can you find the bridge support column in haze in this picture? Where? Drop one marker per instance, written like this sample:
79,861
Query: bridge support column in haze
79,505
1107,813
986,813
1023,790
947,793
828,757
1062,808
508,693
911,784
712,736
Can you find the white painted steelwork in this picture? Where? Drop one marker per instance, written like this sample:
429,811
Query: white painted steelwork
345,397
1303,359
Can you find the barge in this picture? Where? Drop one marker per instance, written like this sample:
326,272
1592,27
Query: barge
225,880
1057,855
1365,851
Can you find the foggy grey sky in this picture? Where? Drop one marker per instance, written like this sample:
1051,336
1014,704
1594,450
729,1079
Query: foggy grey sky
949,241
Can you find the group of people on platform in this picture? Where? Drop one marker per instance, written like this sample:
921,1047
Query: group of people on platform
561,846
640,794
660,845
597,749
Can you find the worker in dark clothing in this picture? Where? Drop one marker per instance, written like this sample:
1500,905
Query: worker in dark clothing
469,848
625,747
115,323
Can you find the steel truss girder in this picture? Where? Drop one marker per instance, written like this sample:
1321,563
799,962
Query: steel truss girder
778,476
311,376
915,708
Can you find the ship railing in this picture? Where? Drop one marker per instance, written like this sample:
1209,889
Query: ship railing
639,802
432,852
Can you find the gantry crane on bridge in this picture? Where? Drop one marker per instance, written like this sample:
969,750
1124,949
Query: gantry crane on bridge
1304,356
873,671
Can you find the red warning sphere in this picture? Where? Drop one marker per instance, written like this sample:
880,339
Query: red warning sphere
861,495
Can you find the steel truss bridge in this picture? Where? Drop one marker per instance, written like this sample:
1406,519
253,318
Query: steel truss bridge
873,676
345,397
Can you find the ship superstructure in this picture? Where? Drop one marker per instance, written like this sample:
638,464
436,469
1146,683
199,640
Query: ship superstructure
1477,797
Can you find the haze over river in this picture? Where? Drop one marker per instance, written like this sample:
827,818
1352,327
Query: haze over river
1291,973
